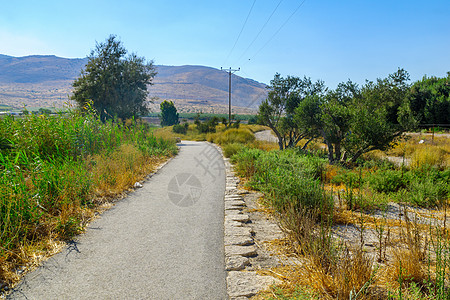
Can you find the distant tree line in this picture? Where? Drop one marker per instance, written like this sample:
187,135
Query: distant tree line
353,120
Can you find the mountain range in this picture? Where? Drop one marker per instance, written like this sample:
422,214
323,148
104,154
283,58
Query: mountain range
46,81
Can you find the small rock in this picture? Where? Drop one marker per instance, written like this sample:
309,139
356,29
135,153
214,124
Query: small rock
236,263
247,284
241,250
137,185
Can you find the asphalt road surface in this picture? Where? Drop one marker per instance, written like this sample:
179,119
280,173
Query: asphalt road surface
164,241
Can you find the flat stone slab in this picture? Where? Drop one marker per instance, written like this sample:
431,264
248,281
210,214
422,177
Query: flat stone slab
241,250
235,202
247,284
236,263
233,223
233,212
239,240
232,182
233,207
239,218
242,192
235,231
234,196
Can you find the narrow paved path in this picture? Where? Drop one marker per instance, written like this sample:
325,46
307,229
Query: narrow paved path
164,241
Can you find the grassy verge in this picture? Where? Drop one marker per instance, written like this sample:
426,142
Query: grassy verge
55,172
402,254
218,134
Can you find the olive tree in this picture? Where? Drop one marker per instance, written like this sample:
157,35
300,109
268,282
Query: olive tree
353,120
277,111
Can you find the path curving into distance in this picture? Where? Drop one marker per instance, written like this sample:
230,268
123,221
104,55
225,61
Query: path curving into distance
163,241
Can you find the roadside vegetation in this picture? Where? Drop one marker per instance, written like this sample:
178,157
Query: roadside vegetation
364,205
373,231
56,172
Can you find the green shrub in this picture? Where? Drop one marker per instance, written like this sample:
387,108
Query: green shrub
387,181
287,178
208,126
428,192
231,149
245,161
180,128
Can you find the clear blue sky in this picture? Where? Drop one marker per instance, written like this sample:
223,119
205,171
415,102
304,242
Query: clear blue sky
329,40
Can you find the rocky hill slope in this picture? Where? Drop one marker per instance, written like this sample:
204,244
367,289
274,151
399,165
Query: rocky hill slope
45,81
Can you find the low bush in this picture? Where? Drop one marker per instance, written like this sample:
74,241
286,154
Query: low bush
207,126
387,181
286,177
234,135
231,149
245,160
180,128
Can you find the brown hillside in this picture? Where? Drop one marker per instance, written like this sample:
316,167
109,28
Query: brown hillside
45,81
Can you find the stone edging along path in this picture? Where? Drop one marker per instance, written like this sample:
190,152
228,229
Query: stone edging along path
240,247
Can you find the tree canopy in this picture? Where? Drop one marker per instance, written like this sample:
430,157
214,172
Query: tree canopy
351,120
115,82
430,100
277,111
169,114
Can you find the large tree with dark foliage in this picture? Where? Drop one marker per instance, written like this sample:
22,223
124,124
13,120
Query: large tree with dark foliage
430,100
115,82
169,114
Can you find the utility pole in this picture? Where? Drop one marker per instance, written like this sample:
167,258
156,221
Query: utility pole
229,71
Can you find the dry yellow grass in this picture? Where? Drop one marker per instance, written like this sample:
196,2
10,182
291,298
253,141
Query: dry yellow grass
428,155
192,133
431,152
118,171
264,145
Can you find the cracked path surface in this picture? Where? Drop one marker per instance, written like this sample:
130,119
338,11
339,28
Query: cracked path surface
163,241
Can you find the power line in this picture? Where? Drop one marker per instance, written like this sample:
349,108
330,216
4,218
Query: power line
262,28
276,32
242,29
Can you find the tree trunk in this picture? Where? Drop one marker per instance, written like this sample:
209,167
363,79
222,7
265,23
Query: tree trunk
337,151
307,143
330,152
